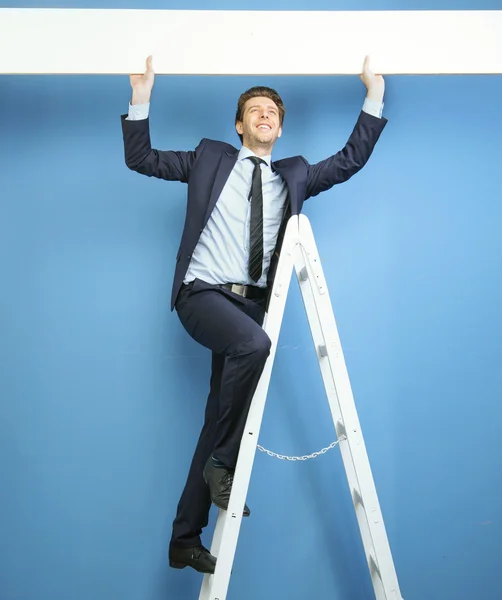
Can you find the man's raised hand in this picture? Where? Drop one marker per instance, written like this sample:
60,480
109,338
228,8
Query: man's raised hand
142,84
375,84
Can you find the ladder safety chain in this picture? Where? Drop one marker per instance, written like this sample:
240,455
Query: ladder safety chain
307,456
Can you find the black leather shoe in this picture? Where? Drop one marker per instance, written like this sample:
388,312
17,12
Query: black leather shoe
220,483
199,558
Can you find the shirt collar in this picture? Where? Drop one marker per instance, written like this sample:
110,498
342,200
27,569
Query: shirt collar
245,152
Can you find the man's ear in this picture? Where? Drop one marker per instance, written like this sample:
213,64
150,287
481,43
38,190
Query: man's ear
280,132
239,128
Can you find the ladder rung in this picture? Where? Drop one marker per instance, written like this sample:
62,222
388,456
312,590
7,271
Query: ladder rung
340,429
357,498
374,567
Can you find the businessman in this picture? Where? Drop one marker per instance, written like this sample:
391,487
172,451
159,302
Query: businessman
238,204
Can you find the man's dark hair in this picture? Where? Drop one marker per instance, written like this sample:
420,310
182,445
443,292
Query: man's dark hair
255,92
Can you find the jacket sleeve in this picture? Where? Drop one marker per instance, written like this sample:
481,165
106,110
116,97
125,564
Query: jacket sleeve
142,158
347,162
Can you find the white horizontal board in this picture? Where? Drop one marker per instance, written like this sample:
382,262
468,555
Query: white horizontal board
201,42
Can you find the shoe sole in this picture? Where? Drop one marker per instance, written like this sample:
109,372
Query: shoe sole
177,565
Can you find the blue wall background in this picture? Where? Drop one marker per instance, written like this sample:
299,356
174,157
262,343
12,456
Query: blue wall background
102,391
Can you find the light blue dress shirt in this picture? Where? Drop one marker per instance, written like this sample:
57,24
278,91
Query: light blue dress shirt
222,252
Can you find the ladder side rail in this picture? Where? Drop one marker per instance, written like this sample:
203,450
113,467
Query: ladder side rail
215,587
365,490
308,289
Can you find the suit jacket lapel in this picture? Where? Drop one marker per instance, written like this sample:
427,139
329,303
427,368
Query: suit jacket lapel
227,162
287,173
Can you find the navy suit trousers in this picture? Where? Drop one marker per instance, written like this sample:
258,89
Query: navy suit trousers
230,326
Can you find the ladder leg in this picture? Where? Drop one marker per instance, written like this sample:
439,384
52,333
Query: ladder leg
337,385
215,587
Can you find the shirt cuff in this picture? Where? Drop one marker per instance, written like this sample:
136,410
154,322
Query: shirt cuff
373,107
137,112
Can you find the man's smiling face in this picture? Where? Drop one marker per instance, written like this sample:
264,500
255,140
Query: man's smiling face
260,125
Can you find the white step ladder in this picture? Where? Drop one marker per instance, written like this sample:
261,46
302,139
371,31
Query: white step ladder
299,251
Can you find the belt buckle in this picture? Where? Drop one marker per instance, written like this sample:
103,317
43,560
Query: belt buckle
240,289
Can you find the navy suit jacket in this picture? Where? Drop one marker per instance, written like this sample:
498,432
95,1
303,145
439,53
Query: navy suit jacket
207,168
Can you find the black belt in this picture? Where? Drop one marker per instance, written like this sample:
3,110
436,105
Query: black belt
247,291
